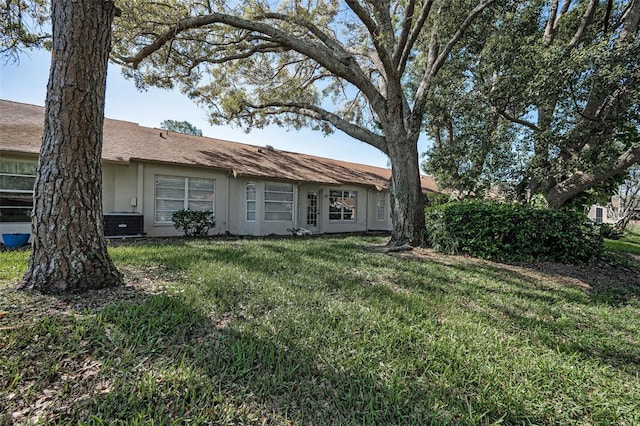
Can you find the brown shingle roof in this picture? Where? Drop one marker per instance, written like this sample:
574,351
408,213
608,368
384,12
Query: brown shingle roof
21,128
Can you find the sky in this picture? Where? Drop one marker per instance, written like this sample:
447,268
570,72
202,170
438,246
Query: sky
26,82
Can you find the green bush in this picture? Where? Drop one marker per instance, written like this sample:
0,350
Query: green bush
194,223
512,232
609,231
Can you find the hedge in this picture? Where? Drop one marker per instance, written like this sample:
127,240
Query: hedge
512,232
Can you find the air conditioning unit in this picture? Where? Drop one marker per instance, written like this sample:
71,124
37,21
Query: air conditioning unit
123,224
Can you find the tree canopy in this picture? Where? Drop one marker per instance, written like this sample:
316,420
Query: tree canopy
546,99
364,68
181,127
23,26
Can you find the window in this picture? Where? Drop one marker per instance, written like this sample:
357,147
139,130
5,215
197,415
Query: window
382,202
599,214
16,190
278,201
176,193
342,205
251,201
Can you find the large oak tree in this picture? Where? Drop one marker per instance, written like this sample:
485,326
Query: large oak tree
69,252
546,98
362,67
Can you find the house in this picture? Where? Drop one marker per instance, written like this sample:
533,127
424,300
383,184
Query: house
150,173
601,214
614,210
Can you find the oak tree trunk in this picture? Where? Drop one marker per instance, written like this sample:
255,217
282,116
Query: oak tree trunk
69,252
407,201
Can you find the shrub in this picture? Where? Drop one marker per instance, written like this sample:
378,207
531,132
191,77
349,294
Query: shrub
512,232
609,231
194,223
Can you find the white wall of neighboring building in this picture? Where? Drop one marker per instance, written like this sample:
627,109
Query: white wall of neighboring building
130,188
600,214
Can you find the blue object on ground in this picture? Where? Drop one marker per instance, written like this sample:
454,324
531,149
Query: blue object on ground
15,240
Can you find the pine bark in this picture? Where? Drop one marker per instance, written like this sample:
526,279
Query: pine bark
69,251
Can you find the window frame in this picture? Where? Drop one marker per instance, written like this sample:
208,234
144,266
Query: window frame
312,208
343,209
186,199
267,201
248,200
24,192
381,206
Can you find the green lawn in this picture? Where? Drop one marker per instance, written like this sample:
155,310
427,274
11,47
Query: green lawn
321,331
629,243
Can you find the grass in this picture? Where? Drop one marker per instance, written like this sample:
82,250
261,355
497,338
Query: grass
629,243
321,331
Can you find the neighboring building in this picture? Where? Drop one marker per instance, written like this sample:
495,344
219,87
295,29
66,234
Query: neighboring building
150,173
610,213
601,214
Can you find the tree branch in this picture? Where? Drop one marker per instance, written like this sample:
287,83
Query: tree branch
516,120
407,46
584,22
549,30
313,29
317,113
376,37
432,71
343,66
579,181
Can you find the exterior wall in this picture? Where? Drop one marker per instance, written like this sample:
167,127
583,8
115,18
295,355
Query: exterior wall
373,222
146,201
357,225
131,188
119,188
312,208
595,217
308,198
238,222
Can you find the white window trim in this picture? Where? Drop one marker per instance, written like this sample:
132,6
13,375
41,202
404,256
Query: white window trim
267,201
342,210
382,199
254,201
20,191
185,200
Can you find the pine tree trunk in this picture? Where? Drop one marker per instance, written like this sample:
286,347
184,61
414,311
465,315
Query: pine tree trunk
407,201
69,252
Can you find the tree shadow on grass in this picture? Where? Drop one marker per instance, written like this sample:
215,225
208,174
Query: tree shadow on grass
560,306
169,362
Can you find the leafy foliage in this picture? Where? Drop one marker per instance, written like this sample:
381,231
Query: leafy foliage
22,26
545,100
194,223
512,232
609,231
181,127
